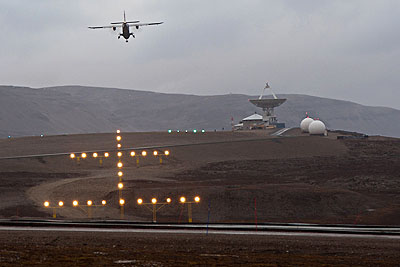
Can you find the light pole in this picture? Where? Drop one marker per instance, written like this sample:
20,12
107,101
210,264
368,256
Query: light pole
154,207
84,155
183,201
46,204
121,204
89,205
160,155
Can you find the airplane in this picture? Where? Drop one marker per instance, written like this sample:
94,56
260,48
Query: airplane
125,27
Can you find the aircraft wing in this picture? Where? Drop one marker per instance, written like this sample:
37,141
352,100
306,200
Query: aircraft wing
144,24
105,27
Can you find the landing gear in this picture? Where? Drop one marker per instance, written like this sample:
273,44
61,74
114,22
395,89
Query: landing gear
119,36
126,40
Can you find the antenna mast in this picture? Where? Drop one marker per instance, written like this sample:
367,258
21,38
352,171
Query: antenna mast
262,93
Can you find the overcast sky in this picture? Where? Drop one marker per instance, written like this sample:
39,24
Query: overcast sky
330,48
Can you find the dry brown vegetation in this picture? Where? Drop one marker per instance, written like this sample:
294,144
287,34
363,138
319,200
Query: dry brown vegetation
292,179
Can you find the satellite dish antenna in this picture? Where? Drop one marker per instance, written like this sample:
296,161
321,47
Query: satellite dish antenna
268,106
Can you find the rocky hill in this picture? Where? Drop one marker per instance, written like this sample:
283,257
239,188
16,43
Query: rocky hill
76,109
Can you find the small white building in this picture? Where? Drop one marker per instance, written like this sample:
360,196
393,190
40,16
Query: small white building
252,122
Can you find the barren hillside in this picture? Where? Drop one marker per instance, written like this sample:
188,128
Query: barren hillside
77,109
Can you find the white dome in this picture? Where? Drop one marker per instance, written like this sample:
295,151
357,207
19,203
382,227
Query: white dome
317,127
305,123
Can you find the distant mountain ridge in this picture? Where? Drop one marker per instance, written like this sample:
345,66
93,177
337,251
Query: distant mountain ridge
77,109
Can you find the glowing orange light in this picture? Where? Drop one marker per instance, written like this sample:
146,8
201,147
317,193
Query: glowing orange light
166,152
89,203
75,203
119,145
60,203
120,185
154,200
106,154
140,201
83,155
182,199
168,200
144,153
133,153
119,154
197,199
118,131
155,152
72,156
121,202
120,174
46,204
95,155
119,138
119,165
103,202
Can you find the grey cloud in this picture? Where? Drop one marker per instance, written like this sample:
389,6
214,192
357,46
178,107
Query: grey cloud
339,49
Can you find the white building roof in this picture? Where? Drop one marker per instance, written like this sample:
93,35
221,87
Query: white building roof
254,117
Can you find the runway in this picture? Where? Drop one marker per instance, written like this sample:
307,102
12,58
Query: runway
107,243
201,229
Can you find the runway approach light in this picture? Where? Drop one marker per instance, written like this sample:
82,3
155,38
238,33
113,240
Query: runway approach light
133,153
170,131
203,131
119,138
60,203
119,165
103,202
95,155
119,146
120,185
194,131
144,153
75,203
168,200
166,152
83,155
155,152
89,203
154,200
72,156
182,199
46,204
119,154
118,131
197,199
106,155
120,174
140,201
121,202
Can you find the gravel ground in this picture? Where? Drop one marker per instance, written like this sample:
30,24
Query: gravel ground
144,249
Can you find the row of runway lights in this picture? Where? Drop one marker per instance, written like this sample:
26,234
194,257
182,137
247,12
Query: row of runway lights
154,201
169,131
120,154
186,131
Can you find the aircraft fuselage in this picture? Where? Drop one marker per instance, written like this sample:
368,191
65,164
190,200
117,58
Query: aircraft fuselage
125,31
